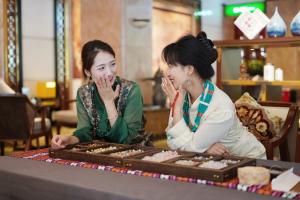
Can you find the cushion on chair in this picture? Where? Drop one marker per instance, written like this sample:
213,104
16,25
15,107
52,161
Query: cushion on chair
5,89
67,116
278,115
259,121
37,127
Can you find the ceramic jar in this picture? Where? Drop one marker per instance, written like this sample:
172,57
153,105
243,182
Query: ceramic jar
295,25
276,27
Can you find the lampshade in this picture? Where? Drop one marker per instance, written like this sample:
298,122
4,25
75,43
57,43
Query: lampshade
46,89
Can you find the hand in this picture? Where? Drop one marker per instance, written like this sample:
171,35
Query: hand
168,88
176,108
218,149
105,90
59,142
180,99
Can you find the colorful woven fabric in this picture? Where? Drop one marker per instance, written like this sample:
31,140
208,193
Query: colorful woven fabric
205,99
42,155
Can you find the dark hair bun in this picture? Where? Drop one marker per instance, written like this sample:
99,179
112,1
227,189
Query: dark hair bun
201,35
213,54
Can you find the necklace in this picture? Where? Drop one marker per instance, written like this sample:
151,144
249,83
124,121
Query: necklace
205,99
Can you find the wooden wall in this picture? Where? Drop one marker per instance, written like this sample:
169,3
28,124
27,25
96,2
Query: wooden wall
102,22
170,22
1,42
76,39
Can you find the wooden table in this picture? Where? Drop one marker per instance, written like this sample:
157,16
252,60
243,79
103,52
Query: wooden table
27,179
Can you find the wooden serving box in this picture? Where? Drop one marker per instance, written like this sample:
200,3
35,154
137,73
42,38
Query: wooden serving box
79,152
86,152
171,168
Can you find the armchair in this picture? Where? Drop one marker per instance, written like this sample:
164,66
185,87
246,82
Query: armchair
287,136
257,118
67,118
20,120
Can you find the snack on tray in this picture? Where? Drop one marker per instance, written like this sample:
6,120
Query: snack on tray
203,158
87,145
252,175
230,162
75,149
101,150
127,153
186,162
213,165
161,156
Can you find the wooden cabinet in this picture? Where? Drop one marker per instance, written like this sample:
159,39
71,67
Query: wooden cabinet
222,46
156,120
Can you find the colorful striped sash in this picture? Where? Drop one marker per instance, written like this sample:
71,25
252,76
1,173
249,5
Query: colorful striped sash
205,99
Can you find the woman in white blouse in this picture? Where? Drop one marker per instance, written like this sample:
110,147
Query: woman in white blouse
202,117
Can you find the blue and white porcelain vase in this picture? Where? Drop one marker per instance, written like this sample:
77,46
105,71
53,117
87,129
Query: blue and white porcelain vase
276,27
295,25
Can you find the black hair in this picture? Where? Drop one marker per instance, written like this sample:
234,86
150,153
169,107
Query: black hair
198,52
89,52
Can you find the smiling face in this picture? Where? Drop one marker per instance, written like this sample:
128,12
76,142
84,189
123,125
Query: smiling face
104,66
178,75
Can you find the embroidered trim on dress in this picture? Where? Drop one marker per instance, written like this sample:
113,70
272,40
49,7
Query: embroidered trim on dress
87,96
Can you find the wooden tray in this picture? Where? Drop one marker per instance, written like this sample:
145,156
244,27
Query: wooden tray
169,166
79,152
100,158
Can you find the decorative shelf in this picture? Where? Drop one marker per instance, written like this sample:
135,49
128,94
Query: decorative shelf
284,42
256,43
253,83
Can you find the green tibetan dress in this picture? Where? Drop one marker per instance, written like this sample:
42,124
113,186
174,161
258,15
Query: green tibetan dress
92,116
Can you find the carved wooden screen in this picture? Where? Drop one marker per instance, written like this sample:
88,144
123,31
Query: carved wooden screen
61,58
12,43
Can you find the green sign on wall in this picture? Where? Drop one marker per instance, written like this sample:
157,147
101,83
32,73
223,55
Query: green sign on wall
237,9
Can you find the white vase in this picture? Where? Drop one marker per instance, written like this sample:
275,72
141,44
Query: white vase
278,74
276,27
269,72
295,25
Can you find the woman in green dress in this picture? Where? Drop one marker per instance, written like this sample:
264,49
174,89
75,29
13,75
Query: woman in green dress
108,107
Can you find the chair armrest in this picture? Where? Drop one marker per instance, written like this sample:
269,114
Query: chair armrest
71,101
287,126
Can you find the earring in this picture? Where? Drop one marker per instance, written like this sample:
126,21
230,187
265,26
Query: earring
89,79
188,82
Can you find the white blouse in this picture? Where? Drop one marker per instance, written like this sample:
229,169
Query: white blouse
219,124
